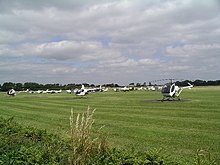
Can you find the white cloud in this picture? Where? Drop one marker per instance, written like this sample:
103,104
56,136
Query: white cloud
72,50
109,39
189,51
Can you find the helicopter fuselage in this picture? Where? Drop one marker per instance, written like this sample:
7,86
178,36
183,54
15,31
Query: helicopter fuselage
172,91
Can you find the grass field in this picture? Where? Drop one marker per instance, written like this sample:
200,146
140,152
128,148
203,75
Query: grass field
130,119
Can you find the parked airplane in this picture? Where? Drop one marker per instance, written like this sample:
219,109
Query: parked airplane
38,91
124,89
69,91
151,88
52,91
24,91
56,91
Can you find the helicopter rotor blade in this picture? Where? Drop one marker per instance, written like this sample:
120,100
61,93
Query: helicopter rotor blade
170,79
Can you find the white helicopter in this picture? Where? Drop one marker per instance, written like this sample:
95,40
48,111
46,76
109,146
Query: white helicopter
171,91
11,92
83,91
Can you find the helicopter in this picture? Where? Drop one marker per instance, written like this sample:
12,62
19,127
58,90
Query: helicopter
11,92
171,91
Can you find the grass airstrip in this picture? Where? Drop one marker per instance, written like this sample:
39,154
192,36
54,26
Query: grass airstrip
131,119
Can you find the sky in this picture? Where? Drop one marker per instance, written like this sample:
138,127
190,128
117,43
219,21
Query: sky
109,41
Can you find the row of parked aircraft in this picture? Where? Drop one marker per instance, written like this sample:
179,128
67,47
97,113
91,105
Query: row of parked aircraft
126,88
170,91
41,91
79,92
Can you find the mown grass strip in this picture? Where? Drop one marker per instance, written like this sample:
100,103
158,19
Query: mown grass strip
129,119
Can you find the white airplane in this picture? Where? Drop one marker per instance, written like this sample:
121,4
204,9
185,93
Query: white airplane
38,91
56,91
46,91
124,89
26,91
52,91
140,88
105,90
151,88
69,91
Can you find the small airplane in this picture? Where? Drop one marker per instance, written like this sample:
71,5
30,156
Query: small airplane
151,88
56,91
123,89
52,91
171,91
69,91
11,92
24,91
38,91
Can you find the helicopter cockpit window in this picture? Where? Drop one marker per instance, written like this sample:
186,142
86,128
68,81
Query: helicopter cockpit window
166,88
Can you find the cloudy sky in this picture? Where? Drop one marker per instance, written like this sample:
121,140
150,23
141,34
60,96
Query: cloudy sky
109,41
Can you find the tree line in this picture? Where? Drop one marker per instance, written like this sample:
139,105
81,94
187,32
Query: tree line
35,86
199,83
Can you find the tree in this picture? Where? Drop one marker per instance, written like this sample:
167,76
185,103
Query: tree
7,85
18,86
199,83
31,86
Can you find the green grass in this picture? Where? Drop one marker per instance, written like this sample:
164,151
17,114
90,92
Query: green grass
180,128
